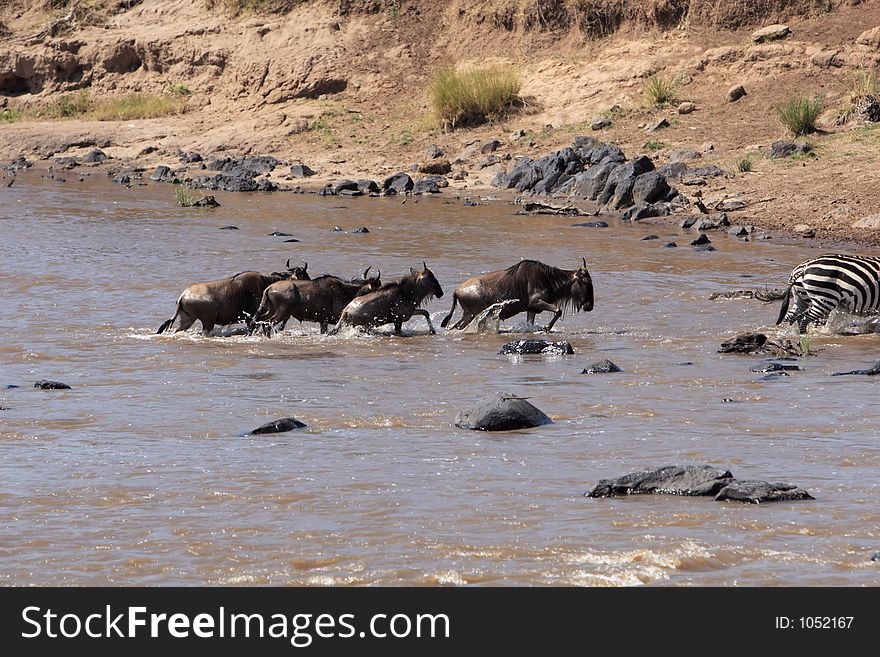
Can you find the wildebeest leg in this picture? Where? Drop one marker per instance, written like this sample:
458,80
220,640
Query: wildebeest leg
207,327
464,321
530,317
424,313
398,328
541,306
323,328
449,316
186,320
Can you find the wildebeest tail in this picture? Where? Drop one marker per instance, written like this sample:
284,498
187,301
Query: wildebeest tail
786,300
168,323
449,316
263,308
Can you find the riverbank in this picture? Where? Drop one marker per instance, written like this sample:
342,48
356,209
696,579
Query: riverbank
342,89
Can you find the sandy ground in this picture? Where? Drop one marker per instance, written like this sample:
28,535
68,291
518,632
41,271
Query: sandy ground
346,94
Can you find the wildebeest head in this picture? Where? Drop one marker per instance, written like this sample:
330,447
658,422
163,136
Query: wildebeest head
298,273
427,282
582,288
368,284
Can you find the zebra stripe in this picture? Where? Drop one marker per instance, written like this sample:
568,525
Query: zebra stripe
820,285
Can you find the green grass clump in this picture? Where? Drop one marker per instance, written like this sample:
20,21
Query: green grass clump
653,145
238,7
179,90
474,95
124,108
660,90
744,165
799,115
184,197
863,83
68,106
136,106
10,115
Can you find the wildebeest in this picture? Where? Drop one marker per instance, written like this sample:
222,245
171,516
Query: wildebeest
393,302
534,286
225,301
318,300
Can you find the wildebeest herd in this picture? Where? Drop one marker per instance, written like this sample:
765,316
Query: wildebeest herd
270,300
816,287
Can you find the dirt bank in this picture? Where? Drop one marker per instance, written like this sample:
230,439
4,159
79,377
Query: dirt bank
340,86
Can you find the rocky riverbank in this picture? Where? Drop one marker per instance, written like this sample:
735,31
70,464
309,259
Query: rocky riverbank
332,96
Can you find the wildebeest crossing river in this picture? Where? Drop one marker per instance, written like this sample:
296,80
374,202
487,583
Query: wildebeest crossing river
139,473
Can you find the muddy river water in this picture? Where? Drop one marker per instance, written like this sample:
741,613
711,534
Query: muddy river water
139,475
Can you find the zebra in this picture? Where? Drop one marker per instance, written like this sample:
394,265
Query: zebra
819,285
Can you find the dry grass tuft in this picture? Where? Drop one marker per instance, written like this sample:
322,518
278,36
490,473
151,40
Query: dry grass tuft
474,95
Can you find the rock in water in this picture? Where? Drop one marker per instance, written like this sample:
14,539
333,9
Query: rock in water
756,492
744,344
602,367
537,347
278,426
45,384
501,412
669,480
873,371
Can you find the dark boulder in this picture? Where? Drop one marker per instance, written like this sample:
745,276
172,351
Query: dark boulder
361,230
301,171
327,191
670,245
746,343
277,426
872,371
591,224
368,186
501,412
590,183
758,492
122,179
776,367
490,146
21,162
785,148
434,152
45,384
701,240
347,185
426,186
164,174
95,156
537,347
585,142
438,168
228,228
67,162
206,202
601,367
399,182
650,237
645,210
690,480
649,187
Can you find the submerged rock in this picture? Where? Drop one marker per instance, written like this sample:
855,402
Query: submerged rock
776,367
872,371
697,480
502,412
591,224
757,492
746,343
688,480
45,384
278,426
537,347
601,367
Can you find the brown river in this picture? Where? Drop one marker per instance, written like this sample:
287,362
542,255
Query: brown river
140,474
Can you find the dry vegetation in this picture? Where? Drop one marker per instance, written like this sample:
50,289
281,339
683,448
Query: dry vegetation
472,96
81,105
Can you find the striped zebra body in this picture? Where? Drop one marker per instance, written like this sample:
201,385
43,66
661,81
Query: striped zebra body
820,285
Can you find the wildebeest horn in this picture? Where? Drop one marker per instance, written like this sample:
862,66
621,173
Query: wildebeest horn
367,271
585,262
305,266
288,264
424,266
378,274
